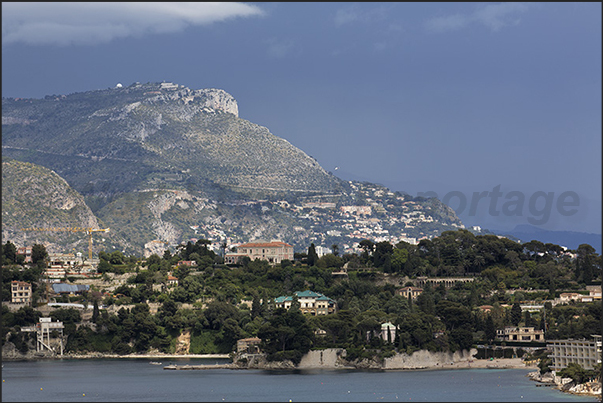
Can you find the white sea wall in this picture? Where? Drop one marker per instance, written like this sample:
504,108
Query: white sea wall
427,359
328,358
335,358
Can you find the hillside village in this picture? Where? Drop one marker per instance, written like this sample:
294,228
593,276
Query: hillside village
374,212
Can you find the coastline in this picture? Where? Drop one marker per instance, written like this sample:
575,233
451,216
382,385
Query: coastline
499,363
88,356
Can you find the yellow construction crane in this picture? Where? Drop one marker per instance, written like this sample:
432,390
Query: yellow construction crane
89,231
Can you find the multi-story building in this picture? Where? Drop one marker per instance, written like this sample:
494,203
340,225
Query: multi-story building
516,333
586,353
274,252
20,292
310,302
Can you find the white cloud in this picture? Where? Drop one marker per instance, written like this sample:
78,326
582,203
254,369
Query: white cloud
57,23
491,15
354,14
449,23
279,48
375,23
346,15
496,16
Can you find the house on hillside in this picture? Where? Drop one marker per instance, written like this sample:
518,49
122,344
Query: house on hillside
172,281
310,302
273,252
20,292
516,333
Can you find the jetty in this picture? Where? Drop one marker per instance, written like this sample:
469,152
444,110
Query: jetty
194,367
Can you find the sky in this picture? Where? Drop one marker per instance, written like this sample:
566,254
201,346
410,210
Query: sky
495,108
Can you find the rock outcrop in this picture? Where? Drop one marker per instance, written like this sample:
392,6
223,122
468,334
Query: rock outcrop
567,384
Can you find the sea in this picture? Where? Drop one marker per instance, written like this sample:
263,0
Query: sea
137,380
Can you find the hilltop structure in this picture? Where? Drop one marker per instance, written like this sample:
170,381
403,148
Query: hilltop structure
273,252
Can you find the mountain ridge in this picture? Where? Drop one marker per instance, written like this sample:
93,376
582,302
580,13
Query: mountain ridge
160,161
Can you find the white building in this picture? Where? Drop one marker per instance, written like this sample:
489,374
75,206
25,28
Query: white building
586,353
515,333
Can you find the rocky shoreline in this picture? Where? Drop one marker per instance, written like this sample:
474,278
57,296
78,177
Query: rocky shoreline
326,359
567,384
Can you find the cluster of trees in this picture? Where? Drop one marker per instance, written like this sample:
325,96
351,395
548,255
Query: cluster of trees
579,374
439,319
10,257
506,263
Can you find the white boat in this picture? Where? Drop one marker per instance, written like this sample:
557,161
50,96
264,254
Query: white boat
154,363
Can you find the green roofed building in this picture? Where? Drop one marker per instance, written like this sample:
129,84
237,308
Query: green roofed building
310,302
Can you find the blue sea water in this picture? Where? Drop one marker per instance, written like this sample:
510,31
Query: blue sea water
135,380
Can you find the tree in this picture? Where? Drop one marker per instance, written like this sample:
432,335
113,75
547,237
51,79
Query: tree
154,259
312,255
9,253
104,266
489,329
116,257
399,258
38,254
586,263
367,246
256,306
382,253
573,371
95,311
335,249
454,315
287,335
515,314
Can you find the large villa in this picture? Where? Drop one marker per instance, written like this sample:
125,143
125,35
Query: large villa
310,302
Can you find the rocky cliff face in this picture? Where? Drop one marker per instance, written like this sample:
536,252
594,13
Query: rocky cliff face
204,99
35,197
155,136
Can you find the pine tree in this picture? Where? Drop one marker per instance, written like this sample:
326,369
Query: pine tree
312,255
515,314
